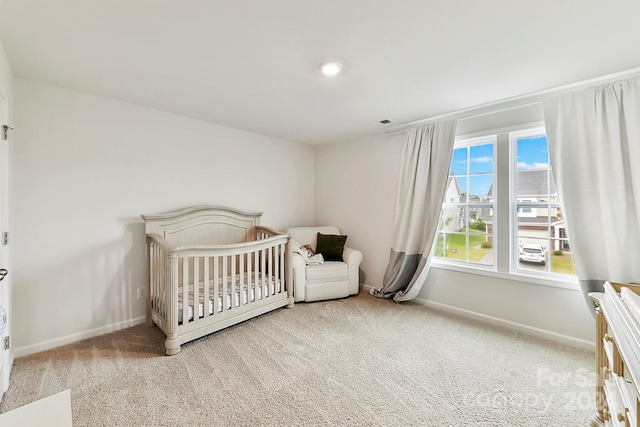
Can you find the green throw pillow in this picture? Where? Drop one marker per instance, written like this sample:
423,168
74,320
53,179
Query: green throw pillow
330,246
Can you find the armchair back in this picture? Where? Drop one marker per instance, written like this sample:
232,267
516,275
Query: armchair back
309,235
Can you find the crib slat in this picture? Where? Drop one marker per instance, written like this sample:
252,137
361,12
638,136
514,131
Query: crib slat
185,291
233,282
250,288
263,260
158,278
205,280
276,269
172,297
158,275
241,280
196,289
216,285
282,268
161,281
256,271
224,284
165,280
270,270
156,270
152,272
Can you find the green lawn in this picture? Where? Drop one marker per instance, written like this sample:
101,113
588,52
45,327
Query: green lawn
562,264
456,250
457,247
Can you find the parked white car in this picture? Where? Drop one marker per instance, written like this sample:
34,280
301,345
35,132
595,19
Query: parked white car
531,252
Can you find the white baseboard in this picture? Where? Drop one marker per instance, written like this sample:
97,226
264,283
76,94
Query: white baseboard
57,342
496,321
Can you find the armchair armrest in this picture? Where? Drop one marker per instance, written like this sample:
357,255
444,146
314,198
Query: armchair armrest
350,255
297,267
294,246
353,258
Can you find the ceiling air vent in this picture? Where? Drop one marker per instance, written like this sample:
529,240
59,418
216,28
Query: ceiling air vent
385,121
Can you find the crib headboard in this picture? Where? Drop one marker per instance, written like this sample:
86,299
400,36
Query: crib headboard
204,225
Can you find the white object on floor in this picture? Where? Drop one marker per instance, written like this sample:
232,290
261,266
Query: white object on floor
52,411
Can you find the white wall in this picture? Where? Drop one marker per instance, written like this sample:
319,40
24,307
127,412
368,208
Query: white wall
356,185
6,76
355,189
83,170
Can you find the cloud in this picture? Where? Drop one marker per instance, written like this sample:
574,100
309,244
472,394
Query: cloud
485,159
525,165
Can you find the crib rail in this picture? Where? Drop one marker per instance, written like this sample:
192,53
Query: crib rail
263,232
190,286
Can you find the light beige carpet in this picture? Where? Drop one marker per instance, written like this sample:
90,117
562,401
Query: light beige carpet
360,361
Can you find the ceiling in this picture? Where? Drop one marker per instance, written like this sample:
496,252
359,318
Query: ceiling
253,64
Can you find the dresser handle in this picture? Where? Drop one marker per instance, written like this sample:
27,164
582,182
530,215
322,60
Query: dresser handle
608,337
605,372
621,417
606,415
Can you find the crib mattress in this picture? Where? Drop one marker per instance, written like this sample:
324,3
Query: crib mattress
245,291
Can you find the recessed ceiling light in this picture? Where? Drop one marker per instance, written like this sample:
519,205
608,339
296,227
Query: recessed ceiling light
330,68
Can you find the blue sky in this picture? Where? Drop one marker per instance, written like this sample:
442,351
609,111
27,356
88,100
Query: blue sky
479,159
533,153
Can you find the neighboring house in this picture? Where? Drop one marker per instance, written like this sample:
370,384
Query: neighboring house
535,221
453,216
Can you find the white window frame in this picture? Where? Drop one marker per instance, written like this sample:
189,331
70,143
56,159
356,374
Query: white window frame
466,142
503,238
534,205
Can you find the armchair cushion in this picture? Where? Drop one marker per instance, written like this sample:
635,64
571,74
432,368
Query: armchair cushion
327,272
330,246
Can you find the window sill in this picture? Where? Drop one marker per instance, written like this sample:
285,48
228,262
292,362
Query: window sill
570,283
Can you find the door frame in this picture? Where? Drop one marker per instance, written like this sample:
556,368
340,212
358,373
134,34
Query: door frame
6,356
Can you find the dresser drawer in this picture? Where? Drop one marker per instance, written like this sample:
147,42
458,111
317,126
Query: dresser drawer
617,359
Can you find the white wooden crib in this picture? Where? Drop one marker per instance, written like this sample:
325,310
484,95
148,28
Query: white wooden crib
211,267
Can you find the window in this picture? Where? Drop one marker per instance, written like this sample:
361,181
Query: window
465,230
539,235
532,239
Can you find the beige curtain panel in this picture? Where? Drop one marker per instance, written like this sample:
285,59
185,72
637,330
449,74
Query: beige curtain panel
423,181
594,149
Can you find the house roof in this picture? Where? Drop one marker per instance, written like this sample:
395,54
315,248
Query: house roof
531,183
534,182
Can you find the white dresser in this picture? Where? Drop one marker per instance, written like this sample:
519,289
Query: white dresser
617,356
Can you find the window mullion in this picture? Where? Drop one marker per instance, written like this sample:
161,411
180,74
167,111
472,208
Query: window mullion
502,201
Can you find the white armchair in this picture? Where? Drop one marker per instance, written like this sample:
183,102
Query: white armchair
332,279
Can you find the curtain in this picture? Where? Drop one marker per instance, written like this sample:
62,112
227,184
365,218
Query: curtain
594,149
423,180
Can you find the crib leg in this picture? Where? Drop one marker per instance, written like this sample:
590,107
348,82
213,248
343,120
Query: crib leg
149,321
172,348
289,305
